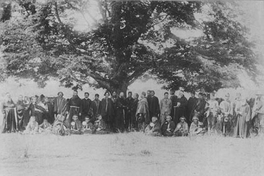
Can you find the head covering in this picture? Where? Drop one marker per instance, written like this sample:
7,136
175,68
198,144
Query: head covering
183,118
195,118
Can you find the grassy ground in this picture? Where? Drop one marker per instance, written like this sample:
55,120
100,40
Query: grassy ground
129,154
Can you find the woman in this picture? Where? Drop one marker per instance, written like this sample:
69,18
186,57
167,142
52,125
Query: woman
10,116
26,113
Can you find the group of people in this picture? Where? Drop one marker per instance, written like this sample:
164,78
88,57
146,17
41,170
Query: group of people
173,115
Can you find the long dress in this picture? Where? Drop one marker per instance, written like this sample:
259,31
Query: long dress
106,110
189,108
120,114
10,117
154,109
180,110
243,116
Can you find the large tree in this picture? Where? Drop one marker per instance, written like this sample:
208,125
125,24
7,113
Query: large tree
132,38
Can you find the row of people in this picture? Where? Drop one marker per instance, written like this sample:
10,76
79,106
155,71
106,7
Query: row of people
120,113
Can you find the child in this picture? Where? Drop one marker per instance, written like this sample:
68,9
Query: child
154,127
196,127
32,127
100,126
45,127
59,127
181,128
76,125
168,127
87,126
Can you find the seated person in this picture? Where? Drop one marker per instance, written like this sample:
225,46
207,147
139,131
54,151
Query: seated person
87,126
32,127
59,127
100,126
154,128
45,127
76,125
196,127
168,127
181,128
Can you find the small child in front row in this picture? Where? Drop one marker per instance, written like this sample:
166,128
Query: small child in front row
100,126
76,125
45,127
87,126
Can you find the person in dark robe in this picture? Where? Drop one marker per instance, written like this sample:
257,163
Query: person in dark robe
96,104
106,110
154,107
168,127
190,106
40,110
114,98
87,109
148,96
129,103
199,108
142,113
180,108
121,107
10,116
133,111
60,105
173,99
50,113
74,107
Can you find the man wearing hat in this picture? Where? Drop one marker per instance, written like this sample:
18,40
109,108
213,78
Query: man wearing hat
60,105
182,128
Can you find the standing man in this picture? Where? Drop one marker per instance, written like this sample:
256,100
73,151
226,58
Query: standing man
190,106
60,105
142,113
199,108
96,104
106,111
121,107
257,116
165,107
226,112
74,107
180,108
154,109
129,102
86,107
173,99
134,110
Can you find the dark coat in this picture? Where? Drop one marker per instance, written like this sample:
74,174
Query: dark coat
181,110
168,125
106,112
154,109
173,103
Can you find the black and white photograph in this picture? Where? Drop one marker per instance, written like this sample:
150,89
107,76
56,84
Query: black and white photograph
131,88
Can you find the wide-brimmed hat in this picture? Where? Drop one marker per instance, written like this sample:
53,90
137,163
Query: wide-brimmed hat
183,118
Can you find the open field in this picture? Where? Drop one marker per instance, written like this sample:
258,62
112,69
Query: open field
129,154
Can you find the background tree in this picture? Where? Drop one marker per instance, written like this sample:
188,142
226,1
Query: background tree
131,39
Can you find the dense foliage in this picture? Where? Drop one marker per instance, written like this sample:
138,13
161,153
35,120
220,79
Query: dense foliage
132,39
